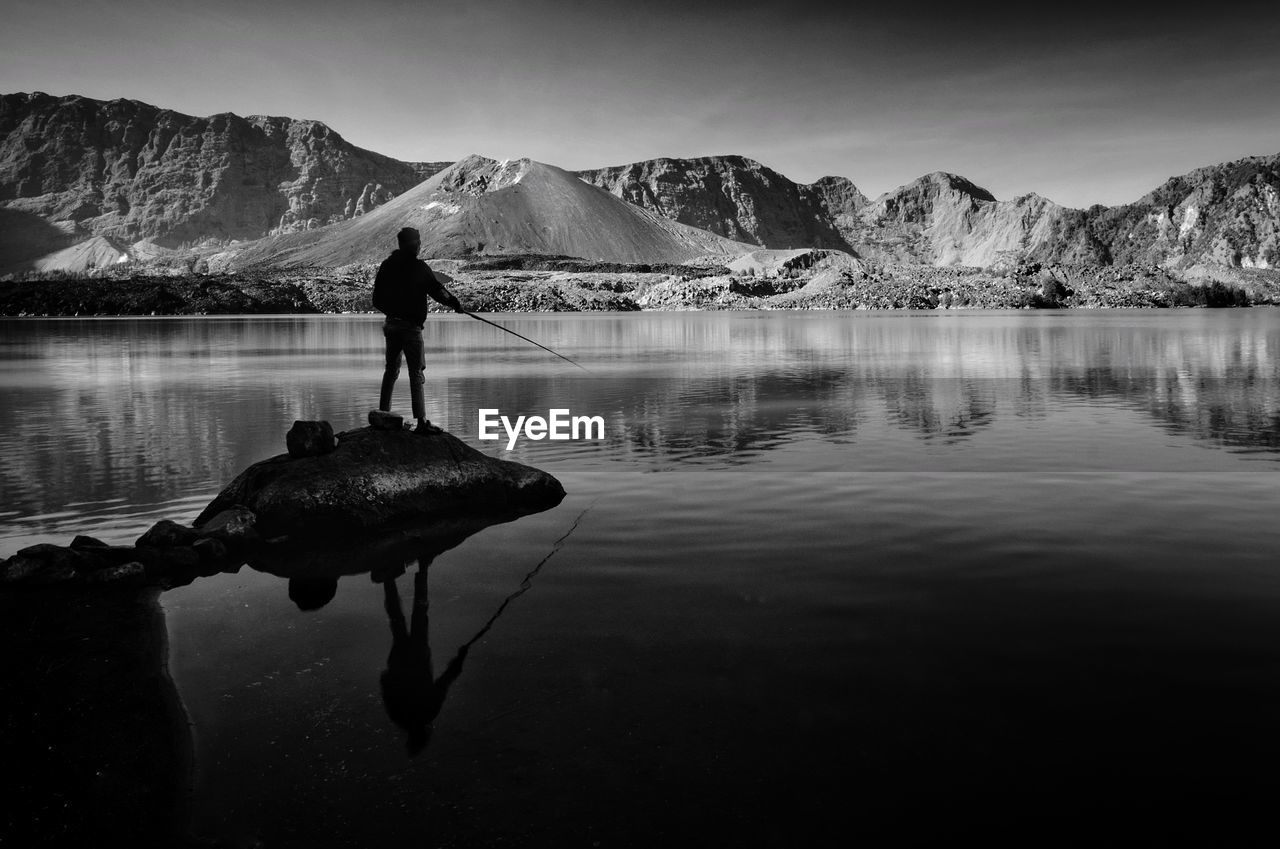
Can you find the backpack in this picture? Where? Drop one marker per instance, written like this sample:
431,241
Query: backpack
384,291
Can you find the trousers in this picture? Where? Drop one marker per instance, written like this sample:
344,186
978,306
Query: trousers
404,338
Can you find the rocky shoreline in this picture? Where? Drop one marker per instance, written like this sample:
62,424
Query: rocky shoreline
813,280
359,485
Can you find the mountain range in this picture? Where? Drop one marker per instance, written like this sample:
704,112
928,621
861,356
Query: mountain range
86,183
481,206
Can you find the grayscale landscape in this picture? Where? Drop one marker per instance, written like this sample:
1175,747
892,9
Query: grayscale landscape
629,424
126,191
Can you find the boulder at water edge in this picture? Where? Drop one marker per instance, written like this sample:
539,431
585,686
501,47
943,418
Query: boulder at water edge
375,478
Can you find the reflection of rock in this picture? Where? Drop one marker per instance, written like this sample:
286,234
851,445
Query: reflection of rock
375,478
97,749
384,553
411,692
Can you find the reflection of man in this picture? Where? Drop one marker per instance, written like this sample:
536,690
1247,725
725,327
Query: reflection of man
400,291
411,693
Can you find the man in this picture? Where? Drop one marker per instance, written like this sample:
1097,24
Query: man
400,292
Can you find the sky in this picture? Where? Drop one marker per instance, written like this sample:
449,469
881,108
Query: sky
1081,102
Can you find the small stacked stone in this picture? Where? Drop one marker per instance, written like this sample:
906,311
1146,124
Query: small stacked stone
385,420
310,439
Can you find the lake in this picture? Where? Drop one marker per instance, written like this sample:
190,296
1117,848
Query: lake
892,577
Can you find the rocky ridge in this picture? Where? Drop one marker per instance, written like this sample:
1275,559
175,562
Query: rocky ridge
1225,215
943,219
87,184
737,198
1217,217
73,168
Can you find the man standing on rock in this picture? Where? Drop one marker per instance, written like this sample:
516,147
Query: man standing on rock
400,292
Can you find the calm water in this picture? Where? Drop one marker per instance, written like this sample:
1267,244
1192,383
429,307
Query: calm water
827,576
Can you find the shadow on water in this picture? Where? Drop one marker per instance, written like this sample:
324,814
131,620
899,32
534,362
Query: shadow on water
98,744
412,694
98,748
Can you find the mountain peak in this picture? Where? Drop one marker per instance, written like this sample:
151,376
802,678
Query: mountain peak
482,206
732,195
952,182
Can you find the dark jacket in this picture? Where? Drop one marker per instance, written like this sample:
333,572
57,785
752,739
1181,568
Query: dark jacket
403,285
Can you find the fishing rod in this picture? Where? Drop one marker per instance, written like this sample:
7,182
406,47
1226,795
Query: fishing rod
527,583
525,338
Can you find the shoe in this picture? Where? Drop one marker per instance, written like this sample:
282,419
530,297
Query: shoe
428,428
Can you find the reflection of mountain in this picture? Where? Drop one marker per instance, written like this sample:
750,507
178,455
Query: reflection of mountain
942,378
949,408
164,404
1232,413
150,411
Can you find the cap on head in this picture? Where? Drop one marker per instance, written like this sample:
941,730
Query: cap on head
408,236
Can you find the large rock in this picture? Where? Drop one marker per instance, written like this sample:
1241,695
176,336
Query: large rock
32,571
55,566
167,533
114,555
57,556
210,550
378,478
131,574
235,526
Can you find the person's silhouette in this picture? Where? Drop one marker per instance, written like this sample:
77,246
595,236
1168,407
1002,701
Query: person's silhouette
400,291
411,693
